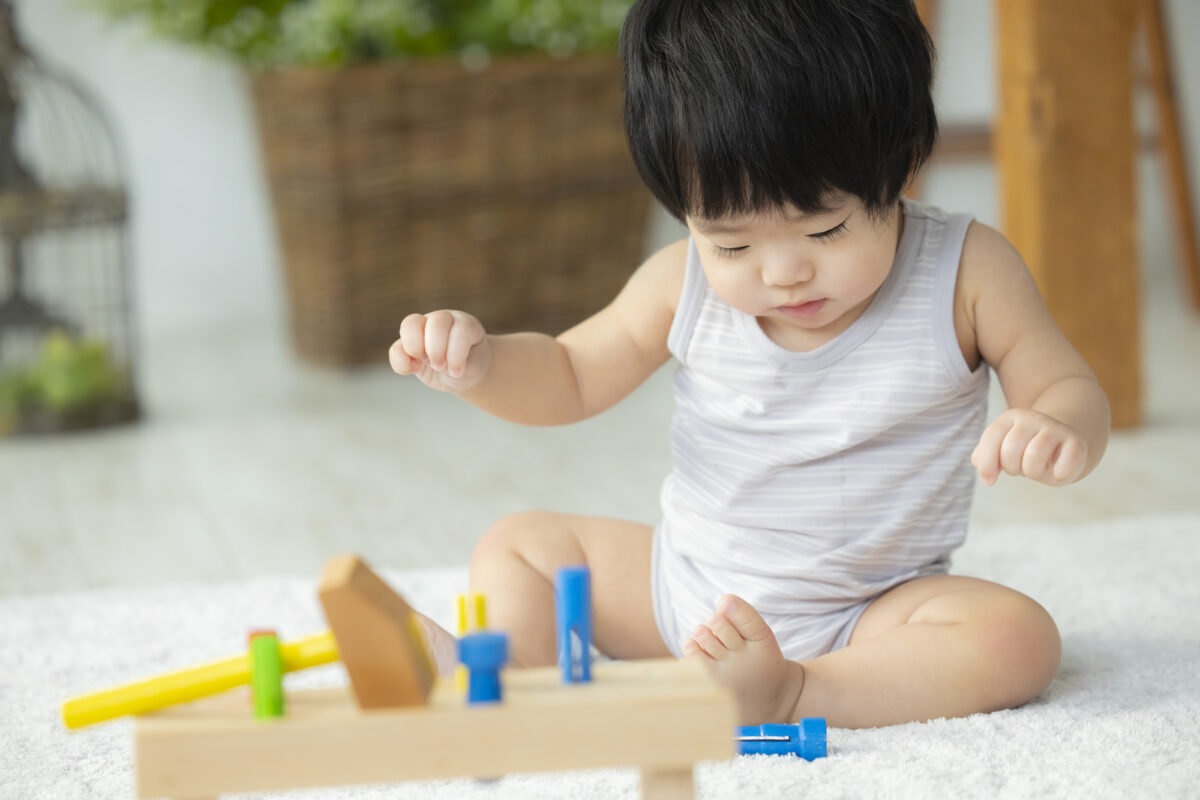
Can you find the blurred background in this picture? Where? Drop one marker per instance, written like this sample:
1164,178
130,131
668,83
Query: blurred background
267,239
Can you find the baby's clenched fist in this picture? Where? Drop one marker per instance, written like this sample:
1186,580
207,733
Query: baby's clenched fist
447,350
1025,442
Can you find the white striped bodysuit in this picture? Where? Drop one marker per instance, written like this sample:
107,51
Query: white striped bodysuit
808,483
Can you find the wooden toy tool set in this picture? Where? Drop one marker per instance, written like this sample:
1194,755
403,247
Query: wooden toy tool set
398,722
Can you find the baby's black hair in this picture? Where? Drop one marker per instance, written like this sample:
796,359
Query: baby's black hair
744,106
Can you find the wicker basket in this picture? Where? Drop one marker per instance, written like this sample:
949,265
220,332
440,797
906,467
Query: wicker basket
508,193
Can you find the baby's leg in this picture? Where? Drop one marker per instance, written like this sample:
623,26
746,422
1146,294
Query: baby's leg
514,565
940,646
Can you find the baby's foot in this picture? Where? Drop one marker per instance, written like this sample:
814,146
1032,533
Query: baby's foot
740,650
442,645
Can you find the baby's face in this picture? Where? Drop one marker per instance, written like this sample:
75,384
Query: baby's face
805,277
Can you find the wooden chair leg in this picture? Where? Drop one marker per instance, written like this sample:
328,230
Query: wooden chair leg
1174,154
1065,155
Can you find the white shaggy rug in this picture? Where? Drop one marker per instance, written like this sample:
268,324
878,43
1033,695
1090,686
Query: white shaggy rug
1121,720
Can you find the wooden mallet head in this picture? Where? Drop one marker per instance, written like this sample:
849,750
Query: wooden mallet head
378,636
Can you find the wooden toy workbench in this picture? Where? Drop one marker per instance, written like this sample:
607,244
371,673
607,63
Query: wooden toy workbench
661,716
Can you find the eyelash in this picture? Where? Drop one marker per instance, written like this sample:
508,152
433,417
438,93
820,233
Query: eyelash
831,234
823,236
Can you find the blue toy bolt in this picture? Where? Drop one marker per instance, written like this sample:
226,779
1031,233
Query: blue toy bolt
483,653
806,740
573,621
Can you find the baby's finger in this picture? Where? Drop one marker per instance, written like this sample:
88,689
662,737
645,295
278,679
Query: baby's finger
465,334
1039,456
412,334
437,334
1012,449
986,457
402,363
1072,458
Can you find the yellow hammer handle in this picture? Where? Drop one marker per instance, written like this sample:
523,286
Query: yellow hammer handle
191,683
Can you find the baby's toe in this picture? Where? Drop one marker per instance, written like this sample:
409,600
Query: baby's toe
709,642
724,631
749,623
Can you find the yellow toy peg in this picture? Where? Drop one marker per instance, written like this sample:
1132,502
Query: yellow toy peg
192,683
472,616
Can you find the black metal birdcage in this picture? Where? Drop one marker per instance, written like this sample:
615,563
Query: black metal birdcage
67,356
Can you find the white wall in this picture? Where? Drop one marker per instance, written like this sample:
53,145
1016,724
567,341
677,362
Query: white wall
204,248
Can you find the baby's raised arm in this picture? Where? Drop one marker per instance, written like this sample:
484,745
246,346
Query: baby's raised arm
1057,424
536,379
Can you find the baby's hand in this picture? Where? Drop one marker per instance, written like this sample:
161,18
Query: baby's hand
1030,443
447,350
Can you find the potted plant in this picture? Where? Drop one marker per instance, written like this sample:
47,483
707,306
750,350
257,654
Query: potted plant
432,153
74,383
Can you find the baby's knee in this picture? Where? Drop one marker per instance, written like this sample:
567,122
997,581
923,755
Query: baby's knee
503,536
1023,647
512,536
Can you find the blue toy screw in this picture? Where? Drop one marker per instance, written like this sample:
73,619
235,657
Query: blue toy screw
806,740
573,620
484,653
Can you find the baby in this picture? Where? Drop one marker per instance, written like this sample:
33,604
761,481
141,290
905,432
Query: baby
834,342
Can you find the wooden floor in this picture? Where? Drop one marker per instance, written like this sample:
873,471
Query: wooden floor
250,464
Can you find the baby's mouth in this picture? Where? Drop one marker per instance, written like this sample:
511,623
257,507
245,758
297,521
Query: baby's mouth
803,309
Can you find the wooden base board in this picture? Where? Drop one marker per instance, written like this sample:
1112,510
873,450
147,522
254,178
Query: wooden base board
661,716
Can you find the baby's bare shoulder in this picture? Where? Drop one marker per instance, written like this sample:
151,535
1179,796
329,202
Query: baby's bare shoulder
662,273
989,267
986,249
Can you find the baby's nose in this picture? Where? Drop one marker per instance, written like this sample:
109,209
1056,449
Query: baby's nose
787,272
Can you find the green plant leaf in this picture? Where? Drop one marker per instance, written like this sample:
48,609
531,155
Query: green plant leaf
335,33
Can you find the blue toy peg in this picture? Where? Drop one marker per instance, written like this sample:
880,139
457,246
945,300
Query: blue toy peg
573,619
806,740
483,653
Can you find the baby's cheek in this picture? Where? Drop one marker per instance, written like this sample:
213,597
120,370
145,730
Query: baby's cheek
743,295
